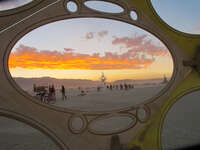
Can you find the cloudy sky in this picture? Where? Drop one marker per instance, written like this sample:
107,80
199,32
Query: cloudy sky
83,48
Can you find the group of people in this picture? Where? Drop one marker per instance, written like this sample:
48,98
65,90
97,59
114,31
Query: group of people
121,86
48,95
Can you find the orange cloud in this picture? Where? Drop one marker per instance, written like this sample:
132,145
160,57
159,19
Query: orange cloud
32,58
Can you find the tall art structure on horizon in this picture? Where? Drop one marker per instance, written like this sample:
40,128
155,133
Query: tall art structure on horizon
103,78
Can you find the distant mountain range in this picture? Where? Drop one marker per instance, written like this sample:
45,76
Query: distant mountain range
27,83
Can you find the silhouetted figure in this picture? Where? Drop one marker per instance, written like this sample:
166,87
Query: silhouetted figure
121,87
34,88
50,90
98,89
42,95
125,86
129,86
40,92
51,94
115,143
111,87
107,86
164,80
53,90
63,92
117,87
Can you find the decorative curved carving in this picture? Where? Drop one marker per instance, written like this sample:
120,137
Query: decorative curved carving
52,117
112,124
97,6
33,123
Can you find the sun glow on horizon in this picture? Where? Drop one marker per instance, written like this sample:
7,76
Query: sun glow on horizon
129,54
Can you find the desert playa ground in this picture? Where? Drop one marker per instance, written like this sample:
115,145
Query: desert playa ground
106,99
180,129
18,136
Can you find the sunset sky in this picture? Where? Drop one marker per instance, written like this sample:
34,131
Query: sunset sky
84,48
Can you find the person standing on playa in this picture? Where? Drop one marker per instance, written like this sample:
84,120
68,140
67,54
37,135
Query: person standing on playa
125,86
117,87
111,87
63,93
53,90
34,88
121,87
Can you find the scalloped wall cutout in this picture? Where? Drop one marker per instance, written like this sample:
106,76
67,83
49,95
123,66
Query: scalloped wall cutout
182,15
98,65
12,4
181,124
17,135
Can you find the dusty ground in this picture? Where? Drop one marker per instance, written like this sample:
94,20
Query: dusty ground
181,126
106,99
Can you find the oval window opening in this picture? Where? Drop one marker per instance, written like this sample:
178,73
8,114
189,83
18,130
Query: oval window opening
95,68
72,6
181,124
17,135
105,7
11,4
187,12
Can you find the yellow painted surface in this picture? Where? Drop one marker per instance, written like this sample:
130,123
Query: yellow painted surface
186,43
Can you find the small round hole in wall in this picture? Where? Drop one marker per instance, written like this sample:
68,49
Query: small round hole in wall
133,15
76,124
142,114
72,6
